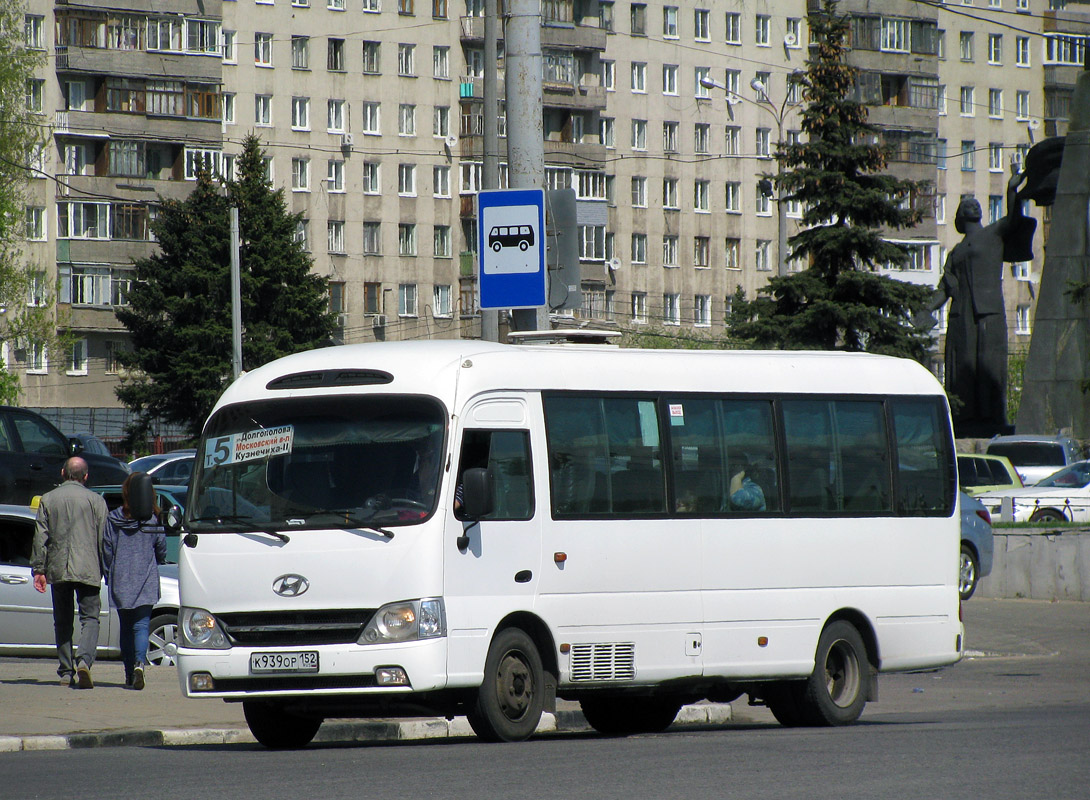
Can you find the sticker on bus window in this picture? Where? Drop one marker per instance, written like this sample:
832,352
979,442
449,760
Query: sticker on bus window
677,414
247,446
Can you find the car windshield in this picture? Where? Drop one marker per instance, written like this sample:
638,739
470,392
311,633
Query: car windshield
299,463
1074,477
1029,454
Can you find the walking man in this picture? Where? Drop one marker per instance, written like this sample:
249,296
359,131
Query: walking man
68,555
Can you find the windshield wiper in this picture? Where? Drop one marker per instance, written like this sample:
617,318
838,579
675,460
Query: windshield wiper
349,519
239,520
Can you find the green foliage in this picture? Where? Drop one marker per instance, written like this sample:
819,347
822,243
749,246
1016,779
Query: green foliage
661,339
179,312
1016,371
838,175
22,134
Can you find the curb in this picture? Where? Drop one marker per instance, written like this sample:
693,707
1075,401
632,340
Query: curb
701,714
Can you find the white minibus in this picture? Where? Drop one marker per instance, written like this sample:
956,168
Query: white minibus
468,528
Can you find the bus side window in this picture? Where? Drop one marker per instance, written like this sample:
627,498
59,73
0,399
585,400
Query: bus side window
506,455
925,478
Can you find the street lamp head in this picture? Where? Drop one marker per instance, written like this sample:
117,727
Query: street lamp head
709,82
758,86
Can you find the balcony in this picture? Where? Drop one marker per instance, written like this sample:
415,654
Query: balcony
568,95
139,64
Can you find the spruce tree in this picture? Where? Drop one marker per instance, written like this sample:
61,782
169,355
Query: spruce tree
179,306
837,172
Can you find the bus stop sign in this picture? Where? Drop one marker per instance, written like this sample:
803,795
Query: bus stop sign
511,248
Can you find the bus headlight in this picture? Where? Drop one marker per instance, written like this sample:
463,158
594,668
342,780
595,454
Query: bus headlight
406,621
199,629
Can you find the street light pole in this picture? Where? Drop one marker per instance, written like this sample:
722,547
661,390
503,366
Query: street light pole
779,113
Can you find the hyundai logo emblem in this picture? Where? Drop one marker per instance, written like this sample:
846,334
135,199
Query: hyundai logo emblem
290,585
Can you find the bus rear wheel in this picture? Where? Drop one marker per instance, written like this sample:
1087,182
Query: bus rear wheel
624,716
277,728
510,701
836,691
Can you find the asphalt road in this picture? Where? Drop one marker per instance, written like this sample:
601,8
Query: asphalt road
1013,721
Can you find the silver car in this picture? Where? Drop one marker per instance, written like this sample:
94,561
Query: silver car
26,615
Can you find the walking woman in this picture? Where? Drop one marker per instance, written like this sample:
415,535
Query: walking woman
132,552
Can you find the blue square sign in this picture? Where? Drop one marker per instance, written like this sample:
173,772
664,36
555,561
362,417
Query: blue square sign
511,249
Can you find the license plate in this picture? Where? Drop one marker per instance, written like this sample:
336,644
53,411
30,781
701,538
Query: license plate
296,661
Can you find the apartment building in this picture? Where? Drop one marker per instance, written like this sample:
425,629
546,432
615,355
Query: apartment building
663,117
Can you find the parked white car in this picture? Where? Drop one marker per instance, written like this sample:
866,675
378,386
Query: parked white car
26,615
1062,496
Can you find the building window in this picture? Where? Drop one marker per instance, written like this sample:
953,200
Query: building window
965,43
405,7
371,54
609,75
406,180
35,223
638,19
669,137
639,134
995,157
35,95
300,52
406,300
441,301
967,107
263,109
440,62
764,142
700,75
370,121
702,310
372,298
639,77
762,262
639,307
405,53
669,79
33,28
263,49
334,60
669,22
37,359
372,238
669,193
335,236
701,189
639,248
639,191
300,113
441,241
440,176
300,175
702,25
406,120
968,155
995,208
763,31
1021,51
1022,326
701,137
669,251
227,43
734,28
1021,105
894,35
995,103
335,175
732,141
671,309
732,199
732,249
335,116
607,132
371,183
995,48
701,252
761,201
406,239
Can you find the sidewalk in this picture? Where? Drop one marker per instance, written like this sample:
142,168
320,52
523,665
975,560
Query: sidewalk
36,713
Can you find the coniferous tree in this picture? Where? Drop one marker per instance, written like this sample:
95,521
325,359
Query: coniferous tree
837,172
179,306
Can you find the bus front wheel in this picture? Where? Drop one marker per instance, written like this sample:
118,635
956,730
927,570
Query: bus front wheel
512,696
836,691
277,728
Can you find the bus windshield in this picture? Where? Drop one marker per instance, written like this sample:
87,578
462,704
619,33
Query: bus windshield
318,462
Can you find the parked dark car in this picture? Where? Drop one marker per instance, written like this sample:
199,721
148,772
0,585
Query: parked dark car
32,452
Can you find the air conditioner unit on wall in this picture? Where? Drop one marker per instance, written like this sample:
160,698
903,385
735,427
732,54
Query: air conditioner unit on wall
347,140
378,321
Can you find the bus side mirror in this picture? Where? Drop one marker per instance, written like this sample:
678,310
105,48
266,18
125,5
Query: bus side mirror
141,496
477,499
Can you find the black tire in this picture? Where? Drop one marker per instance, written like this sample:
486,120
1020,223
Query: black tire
784,700
496,247
524,245
1048,515
968,572
162,633
836,691
276,728
510,701
625,716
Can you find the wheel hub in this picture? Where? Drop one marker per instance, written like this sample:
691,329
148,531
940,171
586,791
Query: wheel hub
515,686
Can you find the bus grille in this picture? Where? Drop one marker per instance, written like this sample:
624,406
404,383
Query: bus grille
604,661
295,628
